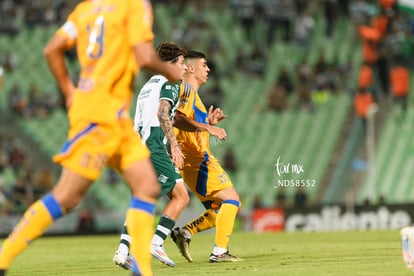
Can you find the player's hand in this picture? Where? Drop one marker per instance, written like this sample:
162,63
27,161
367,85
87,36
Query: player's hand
217,132
215,115
177,156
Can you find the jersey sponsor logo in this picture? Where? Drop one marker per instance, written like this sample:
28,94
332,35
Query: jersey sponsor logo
154,80
85,84
144,94
175,95
96,162
175,92
195,223
162,178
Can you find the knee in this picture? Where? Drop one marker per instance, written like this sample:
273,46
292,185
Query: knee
155,190
186,198
235,196
181,196
66,202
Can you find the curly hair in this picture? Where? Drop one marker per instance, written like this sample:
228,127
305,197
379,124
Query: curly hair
170,51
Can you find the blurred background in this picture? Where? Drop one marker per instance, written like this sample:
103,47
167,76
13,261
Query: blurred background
317,93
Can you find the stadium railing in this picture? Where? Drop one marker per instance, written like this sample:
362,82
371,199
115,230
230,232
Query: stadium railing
393,160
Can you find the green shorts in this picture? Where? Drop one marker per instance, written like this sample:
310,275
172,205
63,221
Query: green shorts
168,175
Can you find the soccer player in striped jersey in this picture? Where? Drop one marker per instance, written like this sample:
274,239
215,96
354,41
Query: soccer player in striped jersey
202,171
155,109
113,40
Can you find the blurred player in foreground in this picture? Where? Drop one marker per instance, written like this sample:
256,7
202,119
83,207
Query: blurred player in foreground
407,239
155,109
202,171
113,39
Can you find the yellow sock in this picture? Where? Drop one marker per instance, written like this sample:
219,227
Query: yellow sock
205,221
140,221
225,222
37,218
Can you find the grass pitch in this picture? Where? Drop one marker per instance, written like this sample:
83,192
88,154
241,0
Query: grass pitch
329,253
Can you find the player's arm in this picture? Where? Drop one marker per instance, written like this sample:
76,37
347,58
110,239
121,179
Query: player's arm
167,126
141,39
54,54
146,57
181,121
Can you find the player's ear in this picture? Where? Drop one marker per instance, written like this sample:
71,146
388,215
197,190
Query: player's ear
190,68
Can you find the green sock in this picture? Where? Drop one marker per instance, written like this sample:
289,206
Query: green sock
164,227
124,243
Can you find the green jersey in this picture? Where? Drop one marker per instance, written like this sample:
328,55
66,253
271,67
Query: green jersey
146,120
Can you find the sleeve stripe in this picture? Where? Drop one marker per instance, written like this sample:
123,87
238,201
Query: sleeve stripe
187,89
70,29
168,99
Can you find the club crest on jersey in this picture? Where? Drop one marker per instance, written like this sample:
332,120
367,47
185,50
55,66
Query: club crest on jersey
223,178
183,101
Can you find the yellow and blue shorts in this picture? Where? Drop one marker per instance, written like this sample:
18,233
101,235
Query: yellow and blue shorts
91,146
205,177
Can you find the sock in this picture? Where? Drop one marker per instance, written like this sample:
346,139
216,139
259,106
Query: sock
205,221
219,250
186,234
163,230
37,218
124,242
225,222
140,221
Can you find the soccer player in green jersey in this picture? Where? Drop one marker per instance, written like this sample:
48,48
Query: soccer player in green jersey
155,109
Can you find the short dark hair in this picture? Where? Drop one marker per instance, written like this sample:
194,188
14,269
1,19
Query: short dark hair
195,54
170,51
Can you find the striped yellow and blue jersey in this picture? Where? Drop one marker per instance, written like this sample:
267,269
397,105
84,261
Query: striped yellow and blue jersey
193,144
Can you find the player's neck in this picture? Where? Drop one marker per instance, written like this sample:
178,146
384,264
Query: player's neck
194,84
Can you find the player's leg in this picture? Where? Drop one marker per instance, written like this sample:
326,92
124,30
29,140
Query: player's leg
140,215
407,239
215,182
205,221
138,172
121,257
225,219
41,214
172,184
182,235
194,179
178,200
